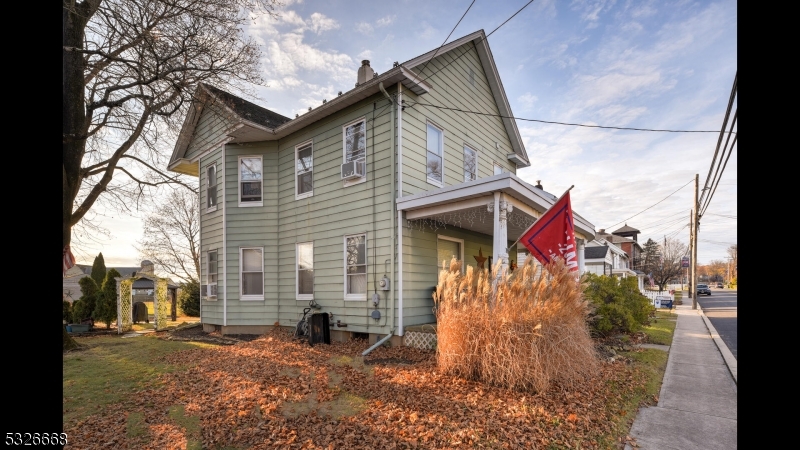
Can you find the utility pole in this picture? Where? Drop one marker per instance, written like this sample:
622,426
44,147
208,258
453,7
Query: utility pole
695,227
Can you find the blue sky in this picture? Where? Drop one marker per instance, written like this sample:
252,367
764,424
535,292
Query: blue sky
658,65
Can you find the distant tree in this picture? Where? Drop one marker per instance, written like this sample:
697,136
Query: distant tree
89,294
716,270
171,235
650,256
105,309
189,299
669,264
99,269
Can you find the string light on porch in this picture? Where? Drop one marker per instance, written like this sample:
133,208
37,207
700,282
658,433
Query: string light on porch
455,219
519,219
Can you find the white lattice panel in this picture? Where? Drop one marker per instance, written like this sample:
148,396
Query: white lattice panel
425,341
124,306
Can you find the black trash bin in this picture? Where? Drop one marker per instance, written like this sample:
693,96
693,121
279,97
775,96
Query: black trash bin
320,331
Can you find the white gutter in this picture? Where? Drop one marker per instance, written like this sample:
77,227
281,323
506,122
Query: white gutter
393,206
400,329
224,246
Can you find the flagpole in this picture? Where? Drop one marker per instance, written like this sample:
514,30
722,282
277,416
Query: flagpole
534,222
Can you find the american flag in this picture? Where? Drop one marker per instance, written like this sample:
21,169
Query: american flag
68,260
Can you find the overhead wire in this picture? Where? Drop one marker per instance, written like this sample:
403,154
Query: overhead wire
710,184
564,123
448,37
670,195
487,37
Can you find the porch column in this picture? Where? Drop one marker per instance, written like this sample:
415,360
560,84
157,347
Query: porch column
581,248
500,207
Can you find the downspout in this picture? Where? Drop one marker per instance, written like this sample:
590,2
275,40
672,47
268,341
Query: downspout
378,344
224,246
400,329
393,206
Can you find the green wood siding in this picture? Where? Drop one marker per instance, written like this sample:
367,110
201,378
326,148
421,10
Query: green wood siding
452,88
210,129
211,236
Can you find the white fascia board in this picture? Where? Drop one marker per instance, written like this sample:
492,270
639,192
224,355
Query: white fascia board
185,135
425,57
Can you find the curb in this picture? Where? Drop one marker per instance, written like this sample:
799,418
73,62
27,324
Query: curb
730,361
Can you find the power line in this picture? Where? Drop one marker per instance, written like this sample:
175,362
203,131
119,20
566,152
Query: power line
448,37
670,195
567,123
722,215
487,37
710,187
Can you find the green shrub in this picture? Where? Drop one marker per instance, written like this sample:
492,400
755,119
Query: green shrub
89,293
79,311
67,311
618,305
105,309
189,300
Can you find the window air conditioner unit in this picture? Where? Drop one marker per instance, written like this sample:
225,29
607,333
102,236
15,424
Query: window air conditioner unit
212,290
353,169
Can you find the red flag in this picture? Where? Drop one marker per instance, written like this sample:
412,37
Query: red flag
68,260
553,235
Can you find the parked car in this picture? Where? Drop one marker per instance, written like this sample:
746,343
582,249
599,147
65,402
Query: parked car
720,285
703,289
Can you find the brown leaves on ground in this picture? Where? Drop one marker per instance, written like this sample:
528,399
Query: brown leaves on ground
275,392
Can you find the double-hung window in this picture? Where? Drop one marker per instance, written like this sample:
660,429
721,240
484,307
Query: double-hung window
211,188
470,164
355,254
211,275
435,159
250,176
305,271
304,170
251,273
355,147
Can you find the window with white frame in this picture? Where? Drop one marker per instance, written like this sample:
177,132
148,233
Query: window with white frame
435,160
498,169
447,248
250,177
355,144
470,164
211,187
355,254
211,274
251,273
305,271
304,170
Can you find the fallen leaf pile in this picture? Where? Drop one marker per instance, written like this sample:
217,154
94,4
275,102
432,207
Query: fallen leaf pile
276,392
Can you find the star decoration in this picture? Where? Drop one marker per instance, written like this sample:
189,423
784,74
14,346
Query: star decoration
480,258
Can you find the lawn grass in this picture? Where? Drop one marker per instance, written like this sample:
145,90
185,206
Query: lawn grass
112,368
661,328
652,364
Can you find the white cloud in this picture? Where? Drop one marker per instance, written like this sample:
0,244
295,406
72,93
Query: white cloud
527,100
320,23
366,54
291,18
364,28
384,21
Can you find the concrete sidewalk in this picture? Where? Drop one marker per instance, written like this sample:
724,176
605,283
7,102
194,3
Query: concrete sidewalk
698,399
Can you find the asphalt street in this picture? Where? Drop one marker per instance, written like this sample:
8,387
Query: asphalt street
720,308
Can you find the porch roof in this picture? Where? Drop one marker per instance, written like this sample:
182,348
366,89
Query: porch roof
464,205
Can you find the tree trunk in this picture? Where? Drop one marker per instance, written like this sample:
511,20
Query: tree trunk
67,340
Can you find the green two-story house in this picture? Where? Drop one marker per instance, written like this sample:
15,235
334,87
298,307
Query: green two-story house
356,203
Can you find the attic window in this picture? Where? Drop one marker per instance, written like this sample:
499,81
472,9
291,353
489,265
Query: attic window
211,187
471,77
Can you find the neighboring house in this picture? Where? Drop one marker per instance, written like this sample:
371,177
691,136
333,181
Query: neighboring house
601,257
317,207
72,288
626,238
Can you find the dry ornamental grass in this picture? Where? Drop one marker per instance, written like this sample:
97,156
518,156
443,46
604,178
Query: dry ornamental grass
528,333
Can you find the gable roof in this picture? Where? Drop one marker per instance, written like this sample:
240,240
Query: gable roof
254,123
87,270
598,252
625,229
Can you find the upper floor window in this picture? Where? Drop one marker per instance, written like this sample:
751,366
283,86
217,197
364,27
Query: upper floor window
470,164
250,177
304,170
435,160
211,275
211,187
355,148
